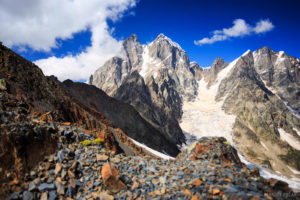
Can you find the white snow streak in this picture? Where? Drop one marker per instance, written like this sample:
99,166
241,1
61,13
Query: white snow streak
296,113
294,142
280,57
157,153
146,62
293,170
263,144
267,174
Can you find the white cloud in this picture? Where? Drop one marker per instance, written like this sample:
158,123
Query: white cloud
240,28
263,26
39,23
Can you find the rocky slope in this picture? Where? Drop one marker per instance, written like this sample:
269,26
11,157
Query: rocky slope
31,106
210,169
252,101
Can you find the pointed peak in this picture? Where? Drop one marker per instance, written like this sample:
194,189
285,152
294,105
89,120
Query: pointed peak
218,62
264,50
132,38
161,37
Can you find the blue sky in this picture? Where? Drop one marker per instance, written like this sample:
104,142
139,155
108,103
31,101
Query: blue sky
189,20
90,37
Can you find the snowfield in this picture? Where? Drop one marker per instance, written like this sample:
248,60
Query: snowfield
204,116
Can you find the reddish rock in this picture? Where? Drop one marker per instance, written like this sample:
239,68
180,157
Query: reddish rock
110,176
196,182
188,192
134,186
215,191
194,198
182,168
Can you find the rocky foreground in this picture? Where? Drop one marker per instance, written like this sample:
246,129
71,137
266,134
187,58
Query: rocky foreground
209,169
51,160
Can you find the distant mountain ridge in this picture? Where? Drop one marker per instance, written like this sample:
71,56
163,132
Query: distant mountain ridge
259,92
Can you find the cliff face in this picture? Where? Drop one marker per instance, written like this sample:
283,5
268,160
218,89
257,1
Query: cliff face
280,73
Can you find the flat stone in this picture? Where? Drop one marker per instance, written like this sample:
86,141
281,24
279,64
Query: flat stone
182,168
101,157
162,180
13,196
60,156
46,186
58,168
188,192
196,182
32,173
32,187
155,181
194,198
106,196
215,191
52,195
134,185
60,189
44,196
27,195
63,173
71,174
71,191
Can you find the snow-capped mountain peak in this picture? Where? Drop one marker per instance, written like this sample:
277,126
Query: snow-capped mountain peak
162,38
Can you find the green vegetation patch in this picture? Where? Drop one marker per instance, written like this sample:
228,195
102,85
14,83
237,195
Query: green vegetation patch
292,158
251,153
85,143
98,141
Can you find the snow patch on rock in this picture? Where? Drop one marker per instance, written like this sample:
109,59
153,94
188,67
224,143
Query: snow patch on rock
157,153
290,139
263,144
267,174
146,61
